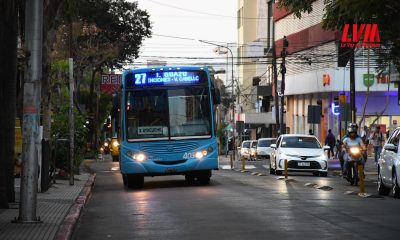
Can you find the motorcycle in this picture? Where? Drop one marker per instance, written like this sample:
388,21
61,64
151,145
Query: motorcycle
355,156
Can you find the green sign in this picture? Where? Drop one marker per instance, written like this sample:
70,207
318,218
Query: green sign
368,79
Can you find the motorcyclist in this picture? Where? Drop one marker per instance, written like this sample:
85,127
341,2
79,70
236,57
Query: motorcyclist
351,140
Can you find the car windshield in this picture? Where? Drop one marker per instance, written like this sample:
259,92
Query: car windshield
246,145
265,143
300,142
254,144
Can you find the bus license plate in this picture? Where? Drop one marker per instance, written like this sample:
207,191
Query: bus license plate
303,164
171,170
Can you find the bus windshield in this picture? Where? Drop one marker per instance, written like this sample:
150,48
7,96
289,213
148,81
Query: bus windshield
161,114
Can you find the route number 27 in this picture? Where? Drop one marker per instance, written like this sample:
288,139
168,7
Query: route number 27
140,78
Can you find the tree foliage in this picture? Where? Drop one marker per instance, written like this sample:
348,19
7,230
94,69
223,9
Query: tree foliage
338,12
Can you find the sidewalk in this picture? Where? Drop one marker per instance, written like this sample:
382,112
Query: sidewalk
59,209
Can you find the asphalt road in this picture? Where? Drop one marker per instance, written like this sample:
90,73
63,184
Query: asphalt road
236,205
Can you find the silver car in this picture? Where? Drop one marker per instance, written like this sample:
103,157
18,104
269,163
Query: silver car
389,166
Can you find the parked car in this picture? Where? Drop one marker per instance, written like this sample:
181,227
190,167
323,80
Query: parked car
253,150
304,153
248,150
264,149
389,166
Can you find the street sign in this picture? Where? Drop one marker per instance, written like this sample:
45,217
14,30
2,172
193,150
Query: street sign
314,114
345,113
110,83
239,126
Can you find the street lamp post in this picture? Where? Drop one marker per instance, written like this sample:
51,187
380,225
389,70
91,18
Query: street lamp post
232,98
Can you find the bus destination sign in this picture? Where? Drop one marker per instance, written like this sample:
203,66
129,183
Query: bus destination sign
164,78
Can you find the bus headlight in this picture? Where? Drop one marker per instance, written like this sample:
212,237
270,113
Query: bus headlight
199,154
140,157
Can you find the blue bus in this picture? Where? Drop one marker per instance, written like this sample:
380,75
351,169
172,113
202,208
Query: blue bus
167,124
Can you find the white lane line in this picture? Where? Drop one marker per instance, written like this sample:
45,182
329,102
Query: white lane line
115,168
225,167
250,167
266,166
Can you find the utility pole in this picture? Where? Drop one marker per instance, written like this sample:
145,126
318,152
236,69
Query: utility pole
276,100
71,121
232,97
31,112
352,87
283,72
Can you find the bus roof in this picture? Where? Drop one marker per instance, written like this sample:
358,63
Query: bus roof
166,68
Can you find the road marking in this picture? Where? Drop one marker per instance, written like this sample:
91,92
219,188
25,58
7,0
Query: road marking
226,167
249,167
115,168
266,166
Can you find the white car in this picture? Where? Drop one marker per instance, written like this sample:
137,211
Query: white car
389,166
248,149
264,149
303,153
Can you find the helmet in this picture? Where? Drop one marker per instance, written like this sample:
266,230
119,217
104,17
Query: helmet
353,127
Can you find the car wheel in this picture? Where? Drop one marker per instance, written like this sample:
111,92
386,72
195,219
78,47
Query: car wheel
382,190
271,170
135,181
395,186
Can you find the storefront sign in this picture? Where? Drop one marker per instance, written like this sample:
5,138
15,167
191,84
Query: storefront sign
361,35
368,79
110,83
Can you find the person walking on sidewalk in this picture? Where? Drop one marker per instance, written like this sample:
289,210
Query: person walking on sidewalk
377,141
330,140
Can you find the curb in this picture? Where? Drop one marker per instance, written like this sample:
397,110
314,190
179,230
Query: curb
68,225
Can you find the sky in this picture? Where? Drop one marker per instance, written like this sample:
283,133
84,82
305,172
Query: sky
179,24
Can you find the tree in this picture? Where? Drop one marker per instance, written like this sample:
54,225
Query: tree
8,72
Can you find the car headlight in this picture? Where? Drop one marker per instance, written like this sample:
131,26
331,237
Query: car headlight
321,157
106,144
283,156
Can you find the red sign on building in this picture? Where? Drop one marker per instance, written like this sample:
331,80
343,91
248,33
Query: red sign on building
110,83
361,35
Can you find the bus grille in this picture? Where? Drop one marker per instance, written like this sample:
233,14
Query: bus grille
166,148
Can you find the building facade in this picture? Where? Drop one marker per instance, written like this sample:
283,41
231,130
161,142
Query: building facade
313,77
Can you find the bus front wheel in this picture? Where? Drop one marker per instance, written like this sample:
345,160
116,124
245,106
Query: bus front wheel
204,177
135,180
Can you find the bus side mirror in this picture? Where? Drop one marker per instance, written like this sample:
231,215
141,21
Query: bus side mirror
216,96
